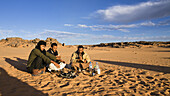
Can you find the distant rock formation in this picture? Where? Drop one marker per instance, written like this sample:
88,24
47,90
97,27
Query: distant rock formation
138,44
50,40
19,42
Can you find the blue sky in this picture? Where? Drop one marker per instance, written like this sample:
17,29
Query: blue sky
86,21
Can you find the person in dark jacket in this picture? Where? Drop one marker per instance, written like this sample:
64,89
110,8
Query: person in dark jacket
39,59
53,50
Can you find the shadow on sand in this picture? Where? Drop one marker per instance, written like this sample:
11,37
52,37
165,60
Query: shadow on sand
11,86
141,66
20,64
162,51
166,57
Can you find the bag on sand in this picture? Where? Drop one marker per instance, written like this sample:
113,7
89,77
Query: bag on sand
68,75
54,68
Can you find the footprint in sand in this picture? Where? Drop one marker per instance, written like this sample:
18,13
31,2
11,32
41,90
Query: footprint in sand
120,74
112,88
132,80
142,73
101,80
120,82
78,84
47,89
45,85
108,94
64,85
91,80
163,79
109,72
156,93
101,75
149,77
127,74
85,79
133,87
98,85
87,88
64,94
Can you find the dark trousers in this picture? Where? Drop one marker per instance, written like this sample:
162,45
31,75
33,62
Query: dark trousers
38,63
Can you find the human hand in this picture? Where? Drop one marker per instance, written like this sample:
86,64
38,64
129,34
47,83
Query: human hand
58,57
56,64
80,56
62,61
85,61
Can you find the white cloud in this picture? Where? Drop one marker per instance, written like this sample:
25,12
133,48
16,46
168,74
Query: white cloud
58,34
148,24
68,25
111,27
25,32
128,13
123,28
108,27
80,38
166,22
5,33
83,26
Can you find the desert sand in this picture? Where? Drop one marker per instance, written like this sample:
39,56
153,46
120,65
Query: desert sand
124,72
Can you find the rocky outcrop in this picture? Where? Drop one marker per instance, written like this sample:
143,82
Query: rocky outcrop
19,42
36,40
15,42
138,44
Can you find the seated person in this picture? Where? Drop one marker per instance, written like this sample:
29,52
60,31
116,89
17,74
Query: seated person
80,60
39,59
53,50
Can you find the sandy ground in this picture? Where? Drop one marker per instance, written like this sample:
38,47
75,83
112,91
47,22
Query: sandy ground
125,71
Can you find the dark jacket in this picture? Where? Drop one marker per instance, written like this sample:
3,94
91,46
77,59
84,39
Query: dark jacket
36,52
52,52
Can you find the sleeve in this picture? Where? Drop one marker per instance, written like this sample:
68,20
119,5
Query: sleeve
51,56
45,58
73,58
57,53
87,58
49,51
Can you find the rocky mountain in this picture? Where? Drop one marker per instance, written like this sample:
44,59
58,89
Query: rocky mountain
138,44
19,42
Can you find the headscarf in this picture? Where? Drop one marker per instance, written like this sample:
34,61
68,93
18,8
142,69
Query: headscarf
41,42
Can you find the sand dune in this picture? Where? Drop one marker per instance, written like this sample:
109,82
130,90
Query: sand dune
125,72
